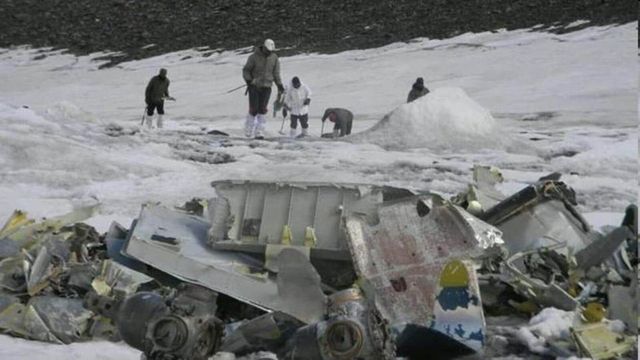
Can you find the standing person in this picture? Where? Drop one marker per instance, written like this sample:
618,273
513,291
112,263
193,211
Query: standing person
260,71
296,100
417,90
155,94
342,118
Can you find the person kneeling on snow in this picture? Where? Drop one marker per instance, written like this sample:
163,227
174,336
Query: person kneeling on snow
155,94
417,90
342,119
296,100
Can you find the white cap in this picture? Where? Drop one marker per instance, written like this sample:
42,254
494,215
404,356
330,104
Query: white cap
269,45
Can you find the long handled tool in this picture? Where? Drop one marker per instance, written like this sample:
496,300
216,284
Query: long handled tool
143,114
322,129
281,132
234,89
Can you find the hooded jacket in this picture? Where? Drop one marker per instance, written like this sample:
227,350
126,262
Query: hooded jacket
294,99
262,70
157,89
417,91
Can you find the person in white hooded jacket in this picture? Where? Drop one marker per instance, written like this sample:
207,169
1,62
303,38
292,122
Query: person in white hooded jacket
296,100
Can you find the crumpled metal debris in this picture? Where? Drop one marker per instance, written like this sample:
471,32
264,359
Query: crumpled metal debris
321,271
597,341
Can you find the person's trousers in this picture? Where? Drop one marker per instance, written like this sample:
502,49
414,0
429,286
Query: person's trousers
151,106
258,100
303,119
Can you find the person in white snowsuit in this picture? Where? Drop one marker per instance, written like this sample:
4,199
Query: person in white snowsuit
296,100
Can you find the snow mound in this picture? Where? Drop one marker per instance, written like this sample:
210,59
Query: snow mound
446,118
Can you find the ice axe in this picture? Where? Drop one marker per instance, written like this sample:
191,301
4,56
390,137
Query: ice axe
235,89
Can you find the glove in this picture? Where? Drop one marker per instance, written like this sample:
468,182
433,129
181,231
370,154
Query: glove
248,82
307,101
280,88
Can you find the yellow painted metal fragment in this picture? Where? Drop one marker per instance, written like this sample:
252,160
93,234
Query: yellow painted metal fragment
16,220
454,274
286,235
310,239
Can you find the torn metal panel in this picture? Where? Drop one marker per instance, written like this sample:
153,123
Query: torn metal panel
47,318
598,251
118,280
257,211
482,194
543,293
272,253
6,300
299,286
458,311
540,215
188,257
30,234
17,220
12,274
22,320
403,255
8,248
623,304
67,319
40,270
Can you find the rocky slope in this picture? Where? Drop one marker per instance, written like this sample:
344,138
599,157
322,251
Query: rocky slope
128,26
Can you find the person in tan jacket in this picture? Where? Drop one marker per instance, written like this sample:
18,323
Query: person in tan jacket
260,72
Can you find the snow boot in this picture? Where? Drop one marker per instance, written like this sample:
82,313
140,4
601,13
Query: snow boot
304,133
160,123
249,124
292,133
148,119
261,122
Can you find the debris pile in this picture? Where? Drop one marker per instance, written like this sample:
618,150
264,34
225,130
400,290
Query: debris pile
330,271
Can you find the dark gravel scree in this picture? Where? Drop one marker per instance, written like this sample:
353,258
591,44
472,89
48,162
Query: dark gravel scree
85,26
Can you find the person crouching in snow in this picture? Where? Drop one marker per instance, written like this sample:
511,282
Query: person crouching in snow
155,94
260,71
417,90
342,119
296,100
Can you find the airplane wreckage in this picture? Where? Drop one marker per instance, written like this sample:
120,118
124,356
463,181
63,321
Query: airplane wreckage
322,271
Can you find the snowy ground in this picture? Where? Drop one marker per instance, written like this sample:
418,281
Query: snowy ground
565,103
